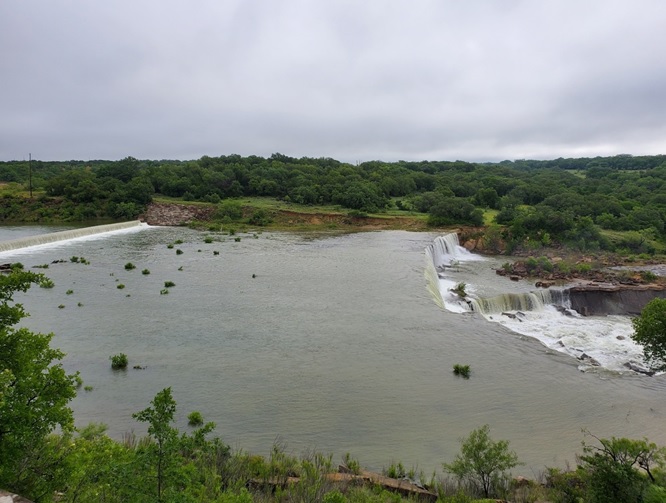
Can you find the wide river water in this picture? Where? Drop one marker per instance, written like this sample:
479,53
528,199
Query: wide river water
331,343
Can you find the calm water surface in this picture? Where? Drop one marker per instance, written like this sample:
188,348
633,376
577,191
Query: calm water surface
334,345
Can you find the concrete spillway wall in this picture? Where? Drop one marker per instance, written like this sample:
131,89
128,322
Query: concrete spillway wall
599,300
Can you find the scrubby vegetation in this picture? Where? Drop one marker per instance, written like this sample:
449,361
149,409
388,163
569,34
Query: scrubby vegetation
119,361
461,370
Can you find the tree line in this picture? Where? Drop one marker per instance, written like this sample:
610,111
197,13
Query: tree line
565,200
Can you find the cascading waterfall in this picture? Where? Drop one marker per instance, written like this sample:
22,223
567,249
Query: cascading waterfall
445,250
544,314
54,237
530,301
432,278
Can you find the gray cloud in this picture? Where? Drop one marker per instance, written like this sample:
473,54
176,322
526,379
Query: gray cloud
381,79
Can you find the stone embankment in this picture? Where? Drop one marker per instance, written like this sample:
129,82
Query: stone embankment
594,299
176,214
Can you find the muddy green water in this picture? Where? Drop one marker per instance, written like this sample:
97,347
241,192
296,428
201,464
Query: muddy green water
335,345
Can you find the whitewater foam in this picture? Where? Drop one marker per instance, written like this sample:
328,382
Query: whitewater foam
544,314
56,239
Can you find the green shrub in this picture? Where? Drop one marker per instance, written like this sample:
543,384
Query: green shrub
17,266
120,286
208,239
531,264
195,418
88,388
179,251
482,462
334,496
583,268
352,464
69,292
145,272
169,284
129,266
545,264
118,361
169,246
260,217
461,370
395,471
567,486
61,306
178,242
74,259
563,267
648,276
460,289
237,239
46,283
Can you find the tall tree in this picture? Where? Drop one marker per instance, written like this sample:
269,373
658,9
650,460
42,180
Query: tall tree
650,332
35,392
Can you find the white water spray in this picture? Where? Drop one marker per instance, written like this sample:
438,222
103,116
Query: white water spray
74,234
544,314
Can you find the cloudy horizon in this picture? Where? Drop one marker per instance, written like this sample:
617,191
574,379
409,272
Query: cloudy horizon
484,80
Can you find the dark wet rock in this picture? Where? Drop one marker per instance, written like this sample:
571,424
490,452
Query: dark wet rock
637,367
512,316
564,310
589,360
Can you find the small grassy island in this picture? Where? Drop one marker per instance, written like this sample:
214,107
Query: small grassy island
600,220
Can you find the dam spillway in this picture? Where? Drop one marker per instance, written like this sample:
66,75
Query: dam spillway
54,237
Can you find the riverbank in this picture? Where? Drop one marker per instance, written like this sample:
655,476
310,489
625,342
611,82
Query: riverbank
278,216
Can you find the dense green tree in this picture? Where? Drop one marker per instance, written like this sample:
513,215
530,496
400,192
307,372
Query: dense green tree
35,392
650,332
613,469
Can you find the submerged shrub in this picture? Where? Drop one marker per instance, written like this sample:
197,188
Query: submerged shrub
461,370
179,251
120,286
195,418
145,272
164,291
118,361
129,266
169,284
46,283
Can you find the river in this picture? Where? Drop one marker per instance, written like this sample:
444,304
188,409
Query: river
331,343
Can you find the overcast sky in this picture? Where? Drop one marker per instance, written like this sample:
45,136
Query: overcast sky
354,80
